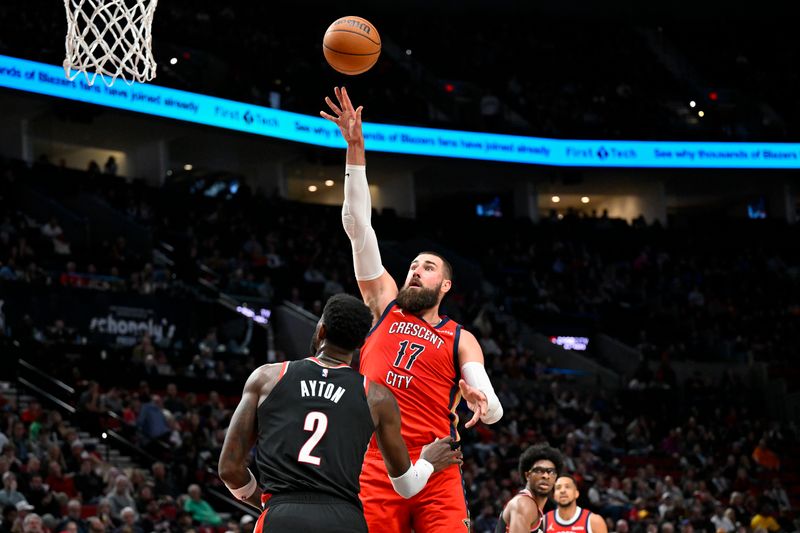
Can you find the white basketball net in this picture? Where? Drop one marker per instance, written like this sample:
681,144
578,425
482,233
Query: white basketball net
111,38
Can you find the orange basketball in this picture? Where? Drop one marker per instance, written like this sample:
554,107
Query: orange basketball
351,45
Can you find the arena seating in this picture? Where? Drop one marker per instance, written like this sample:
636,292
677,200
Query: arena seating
701,435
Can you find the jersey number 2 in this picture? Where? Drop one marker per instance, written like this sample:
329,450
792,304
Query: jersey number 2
318,423
416,349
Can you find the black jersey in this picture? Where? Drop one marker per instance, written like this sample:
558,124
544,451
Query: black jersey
313,431
502,527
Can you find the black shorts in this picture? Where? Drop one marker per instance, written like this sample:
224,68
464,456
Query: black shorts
307,512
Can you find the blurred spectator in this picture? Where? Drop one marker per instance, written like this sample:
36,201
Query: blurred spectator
765,457
8,518
110,167
247,524
152,422
172,401
129,522
32,523
765,520
73,516
120,497
778,495
163,484
721,522
10,495
200,509
88,484
52,229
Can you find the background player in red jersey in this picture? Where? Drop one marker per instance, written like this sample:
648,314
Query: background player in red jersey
568,517
419,354
539,465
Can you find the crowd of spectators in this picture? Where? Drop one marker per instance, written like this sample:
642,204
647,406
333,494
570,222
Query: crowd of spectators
39,249
713,295
727,293
52,482
649,460
695,466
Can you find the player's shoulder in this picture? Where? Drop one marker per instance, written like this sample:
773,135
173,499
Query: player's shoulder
594,518
523,502
265,376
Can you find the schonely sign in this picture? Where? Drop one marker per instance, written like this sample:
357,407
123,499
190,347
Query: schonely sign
159,101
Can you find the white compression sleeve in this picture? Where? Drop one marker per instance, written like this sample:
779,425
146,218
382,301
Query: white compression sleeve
242,493
357,222
414,480
475,376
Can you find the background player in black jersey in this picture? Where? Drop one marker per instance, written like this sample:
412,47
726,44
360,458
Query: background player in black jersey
539,465
311,421
568,517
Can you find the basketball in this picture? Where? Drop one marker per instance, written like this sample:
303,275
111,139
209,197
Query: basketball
351,45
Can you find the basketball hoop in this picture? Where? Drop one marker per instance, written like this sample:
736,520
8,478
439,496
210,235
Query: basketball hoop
111,38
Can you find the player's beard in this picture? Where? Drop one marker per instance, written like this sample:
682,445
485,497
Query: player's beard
418,299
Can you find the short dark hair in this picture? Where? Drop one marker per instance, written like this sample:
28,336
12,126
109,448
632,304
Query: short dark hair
540,452
448,268
347,321
570,477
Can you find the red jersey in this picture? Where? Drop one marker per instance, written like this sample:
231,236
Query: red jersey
419,364
579,523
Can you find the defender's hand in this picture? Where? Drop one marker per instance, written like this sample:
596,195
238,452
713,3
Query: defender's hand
440,454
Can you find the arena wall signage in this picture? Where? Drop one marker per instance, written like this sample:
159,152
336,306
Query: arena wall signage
125,326
153,100
110,318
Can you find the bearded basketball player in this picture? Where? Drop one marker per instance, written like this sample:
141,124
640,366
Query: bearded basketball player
428,361
568,517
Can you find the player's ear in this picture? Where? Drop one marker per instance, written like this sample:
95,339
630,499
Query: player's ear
446,284
322,332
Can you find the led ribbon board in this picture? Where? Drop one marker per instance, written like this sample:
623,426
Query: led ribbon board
158,101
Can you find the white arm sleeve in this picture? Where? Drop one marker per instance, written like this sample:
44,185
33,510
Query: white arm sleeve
243,493
475,376
414,480
356,219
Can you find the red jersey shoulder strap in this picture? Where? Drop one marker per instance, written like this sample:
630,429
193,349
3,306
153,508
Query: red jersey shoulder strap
382,317
585,515
548,518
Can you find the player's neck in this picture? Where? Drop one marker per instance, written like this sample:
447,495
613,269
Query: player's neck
334,357
431,316
566,513
540,500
